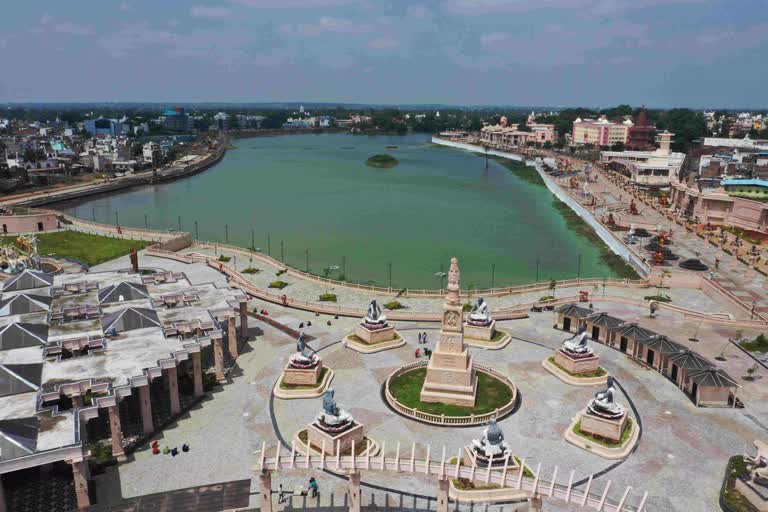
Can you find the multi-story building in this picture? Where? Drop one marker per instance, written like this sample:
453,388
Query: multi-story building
221,121
152,154
104,126
177,120
600,132
653,169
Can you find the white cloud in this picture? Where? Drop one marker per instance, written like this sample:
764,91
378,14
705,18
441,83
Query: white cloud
604,7
326,24
418,11
494,38
125,6
49,24
383,43
210,12
293,4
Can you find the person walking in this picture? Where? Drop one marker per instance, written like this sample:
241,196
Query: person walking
313,487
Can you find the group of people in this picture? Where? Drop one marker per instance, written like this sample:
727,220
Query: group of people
425,351
167,450
314,491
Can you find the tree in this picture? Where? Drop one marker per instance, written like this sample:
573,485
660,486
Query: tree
619,146
686,124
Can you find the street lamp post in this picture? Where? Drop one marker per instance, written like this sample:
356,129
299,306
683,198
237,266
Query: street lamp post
344,267
226,233
93,212
389,265
269,245
179,219
578,269
146,222
538,262
493,274
253,240
197,235
117,219
307,261
282,251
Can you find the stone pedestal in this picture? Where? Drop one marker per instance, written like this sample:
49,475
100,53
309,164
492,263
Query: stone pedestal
469,456
603,427
375,335
343,441
480,333
577,366
302,376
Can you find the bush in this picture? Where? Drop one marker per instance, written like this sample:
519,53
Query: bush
658,298
281,272
250,270
278,284
759,344
328,297
393,304
467,307
224,259
546,298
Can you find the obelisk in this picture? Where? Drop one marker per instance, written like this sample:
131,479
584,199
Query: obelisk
451,375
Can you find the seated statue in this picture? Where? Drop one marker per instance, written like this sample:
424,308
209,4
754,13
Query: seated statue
480,316
576,345
333,419
301,359
491,444
374,319
758,465
604,404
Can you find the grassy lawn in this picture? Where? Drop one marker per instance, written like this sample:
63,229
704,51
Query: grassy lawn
600,372
357,339
491,394
601,440
323,373
91,249
759,344
498,335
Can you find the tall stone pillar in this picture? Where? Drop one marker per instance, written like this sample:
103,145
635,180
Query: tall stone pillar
3,507
117,432
218,359
81,475
536,504
354,492
244,320
442,495
232,336
173,389
146,410
197,374
265,490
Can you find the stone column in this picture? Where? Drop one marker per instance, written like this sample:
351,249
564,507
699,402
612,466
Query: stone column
218,359
3,508
173,390
197,374
80,475
354,492
265,490
117,432
442,495
232,336
244,320
146,409
536,504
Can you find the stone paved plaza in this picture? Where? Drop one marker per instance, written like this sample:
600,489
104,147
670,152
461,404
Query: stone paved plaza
679,459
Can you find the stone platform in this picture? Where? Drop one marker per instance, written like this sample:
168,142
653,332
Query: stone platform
342,441
573,380
302,376
372,336
478,332
603,427
291,394
468,459
577,365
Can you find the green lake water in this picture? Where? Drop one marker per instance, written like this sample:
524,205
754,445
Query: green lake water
315,193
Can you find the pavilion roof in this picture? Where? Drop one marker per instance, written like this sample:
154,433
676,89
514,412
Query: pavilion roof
20,335
18,437
26,280
632,330
573,310
604,320
713,377
123,291
661,344
690,360
129,319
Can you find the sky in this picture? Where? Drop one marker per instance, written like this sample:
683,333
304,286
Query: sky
592,53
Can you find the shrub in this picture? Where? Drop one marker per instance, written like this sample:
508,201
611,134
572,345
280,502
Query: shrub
328,297
467,307
658,298
224,259
278,284
546,298
250,270
393,304
281,272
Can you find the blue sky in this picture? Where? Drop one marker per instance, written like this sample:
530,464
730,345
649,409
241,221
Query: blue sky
694,53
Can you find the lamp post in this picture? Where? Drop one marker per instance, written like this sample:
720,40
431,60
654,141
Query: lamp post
179,219
146,222
307,252
344,267
253,241
226,233
578,269
93,213
117,219
282,251
538,262
493,274
197,235
389,266
269,245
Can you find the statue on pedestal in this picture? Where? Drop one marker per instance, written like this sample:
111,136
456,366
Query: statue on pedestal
374,319
759,464
333,420
576,346
480,315
301,359
492,444
604,403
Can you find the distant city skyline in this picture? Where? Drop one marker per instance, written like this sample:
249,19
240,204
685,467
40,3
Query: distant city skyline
591,53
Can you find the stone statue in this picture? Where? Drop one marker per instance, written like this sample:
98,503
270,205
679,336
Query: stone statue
333,419
480,315
578,347
759,464
492,444
301,359
374,319
604,403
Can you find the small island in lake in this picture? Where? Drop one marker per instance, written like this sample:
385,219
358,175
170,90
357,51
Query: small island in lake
382,161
